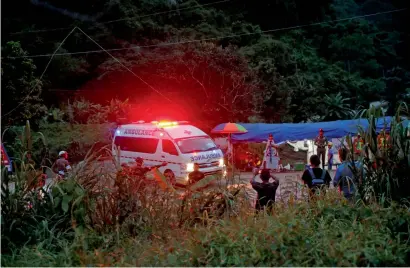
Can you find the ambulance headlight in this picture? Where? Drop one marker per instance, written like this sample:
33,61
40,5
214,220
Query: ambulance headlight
190,167
221,162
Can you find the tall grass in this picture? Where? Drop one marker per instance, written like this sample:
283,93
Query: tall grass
326,233
386,168
109,217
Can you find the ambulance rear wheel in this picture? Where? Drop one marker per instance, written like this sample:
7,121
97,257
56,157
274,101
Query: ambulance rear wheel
170,176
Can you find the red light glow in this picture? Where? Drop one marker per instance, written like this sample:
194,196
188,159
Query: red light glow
167,124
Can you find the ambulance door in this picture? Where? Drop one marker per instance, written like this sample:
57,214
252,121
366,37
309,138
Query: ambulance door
170,155
133,147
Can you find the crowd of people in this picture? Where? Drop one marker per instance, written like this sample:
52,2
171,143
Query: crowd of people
316,177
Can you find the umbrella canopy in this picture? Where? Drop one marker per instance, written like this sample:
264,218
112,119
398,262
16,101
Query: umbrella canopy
229,128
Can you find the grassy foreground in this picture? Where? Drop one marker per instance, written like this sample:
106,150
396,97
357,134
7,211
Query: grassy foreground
326,233
120,219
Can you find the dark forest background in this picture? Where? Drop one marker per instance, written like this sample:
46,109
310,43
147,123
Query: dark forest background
261,61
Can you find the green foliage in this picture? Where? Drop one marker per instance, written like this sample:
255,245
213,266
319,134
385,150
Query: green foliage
76,139
83,111
387,167
340,236
28,215
107,216
24,144
365,59
21,87
337,107
210,82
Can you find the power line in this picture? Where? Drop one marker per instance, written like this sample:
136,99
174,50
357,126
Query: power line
95,42
41,76
212,38
123,65
124,19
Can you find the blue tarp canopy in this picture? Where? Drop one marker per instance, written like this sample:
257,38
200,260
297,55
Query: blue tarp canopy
293,132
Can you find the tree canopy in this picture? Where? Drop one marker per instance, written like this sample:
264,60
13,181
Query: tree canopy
214,61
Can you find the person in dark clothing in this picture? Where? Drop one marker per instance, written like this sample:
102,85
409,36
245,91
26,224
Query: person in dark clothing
315,177
62,166
321,142
195,175
140,170
266,190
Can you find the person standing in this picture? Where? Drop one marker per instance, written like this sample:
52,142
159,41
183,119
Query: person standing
345,178
330,154
321,143
140,170
62,166
314,177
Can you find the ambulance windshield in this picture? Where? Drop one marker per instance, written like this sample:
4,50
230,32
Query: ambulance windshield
196,144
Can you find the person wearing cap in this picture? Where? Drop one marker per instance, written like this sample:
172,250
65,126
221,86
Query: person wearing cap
62,166
140,170
321,142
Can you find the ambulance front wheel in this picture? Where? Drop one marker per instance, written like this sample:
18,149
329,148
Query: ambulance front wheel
170,176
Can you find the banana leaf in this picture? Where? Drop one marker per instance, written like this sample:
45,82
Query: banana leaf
162,181
202,183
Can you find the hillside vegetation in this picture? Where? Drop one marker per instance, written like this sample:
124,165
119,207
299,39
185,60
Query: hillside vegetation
285,61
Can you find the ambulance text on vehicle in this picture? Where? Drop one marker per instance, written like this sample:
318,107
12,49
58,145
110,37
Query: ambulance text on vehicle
178,144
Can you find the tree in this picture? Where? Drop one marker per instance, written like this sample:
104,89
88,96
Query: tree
21,89
209,82
287,72
337,107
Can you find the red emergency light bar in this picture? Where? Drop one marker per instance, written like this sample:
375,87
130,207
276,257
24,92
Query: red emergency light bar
161,123
169,124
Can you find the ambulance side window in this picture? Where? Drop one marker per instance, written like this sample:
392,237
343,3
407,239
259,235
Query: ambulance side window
140,145
169,147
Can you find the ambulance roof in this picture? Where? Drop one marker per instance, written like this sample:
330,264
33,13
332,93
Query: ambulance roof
149,129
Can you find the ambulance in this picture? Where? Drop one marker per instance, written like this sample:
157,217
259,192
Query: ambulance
178,144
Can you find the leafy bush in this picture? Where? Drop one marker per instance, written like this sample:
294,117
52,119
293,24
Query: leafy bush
114,218
75,128
296,236
28,212
76,139
325,233
387,167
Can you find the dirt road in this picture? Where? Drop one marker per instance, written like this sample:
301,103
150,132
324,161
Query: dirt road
289,183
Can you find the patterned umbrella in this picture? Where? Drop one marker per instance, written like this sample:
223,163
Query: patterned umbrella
229,128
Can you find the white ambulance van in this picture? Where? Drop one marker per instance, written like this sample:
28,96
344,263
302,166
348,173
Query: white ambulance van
178,144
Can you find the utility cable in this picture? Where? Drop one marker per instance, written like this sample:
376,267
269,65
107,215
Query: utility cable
124,19
123,65
95,42
213,38
41,76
